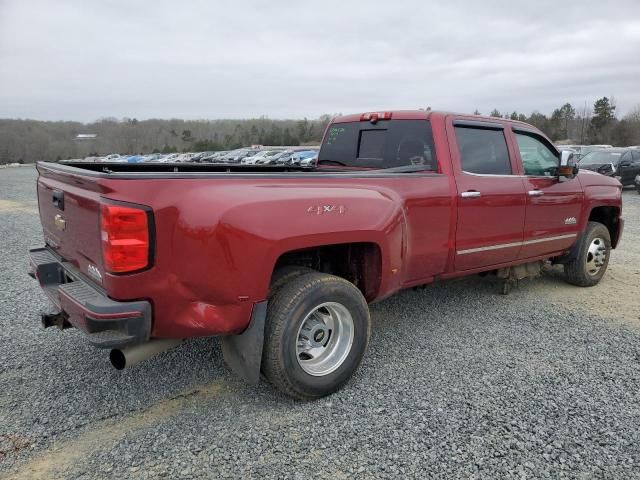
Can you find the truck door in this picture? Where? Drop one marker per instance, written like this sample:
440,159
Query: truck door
491,197
553,210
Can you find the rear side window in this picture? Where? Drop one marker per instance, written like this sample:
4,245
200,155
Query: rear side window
385,144
483,151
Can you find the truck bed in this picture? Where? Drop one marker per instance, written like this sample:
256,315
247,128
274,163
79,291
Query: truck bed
146,170
108,167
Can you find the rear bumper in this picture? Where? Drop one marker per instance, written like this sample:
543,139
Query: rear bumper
106,322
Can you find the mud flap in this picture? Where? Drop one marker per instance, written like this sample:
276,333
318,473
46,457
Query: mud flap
572,254
243,353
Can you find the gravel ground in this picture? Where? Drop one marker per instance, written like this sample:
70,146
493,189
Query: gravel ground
459,382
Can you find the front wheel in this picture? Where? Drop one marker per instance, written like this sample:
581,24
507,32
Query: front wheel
316,334
589,266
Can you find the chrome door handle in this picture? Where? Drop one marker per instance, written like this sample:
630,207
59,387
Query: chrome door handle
536,193
470,194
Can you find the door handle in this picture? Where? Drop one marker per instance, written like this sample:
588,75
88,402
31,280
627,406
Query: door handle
470,194
536,193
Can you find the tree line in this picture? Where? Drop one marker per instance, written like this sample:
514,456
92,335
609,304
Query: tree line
586,126
31,140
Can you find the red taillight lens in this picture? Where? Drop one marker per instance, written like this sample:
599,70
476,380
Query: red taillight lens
125,238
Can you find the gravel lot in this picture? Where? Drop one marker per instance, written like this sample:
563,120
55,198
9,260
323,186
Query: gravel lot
460,382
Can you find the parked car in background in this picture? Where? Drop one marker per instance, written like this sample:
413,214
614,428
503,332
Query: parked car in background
582,150
236,156
309,162
170,158
564,148
271,159
259,156
200,155
184,157
213,157
284,158
586,149
300,155
114,157
153,157
620,163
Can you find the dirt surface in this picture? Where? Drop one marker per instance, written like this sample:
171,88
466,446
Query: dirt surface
617,296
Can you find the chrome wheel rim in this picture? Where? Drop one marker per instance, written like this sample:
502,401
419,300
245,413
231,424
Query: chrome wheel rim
596,256
324,339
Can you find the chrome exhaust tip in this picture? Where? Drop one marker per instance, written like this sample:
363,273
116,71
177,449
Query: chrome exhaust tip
130,356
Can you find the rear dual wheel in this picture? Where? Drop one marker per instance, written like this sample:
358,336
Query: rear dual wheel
316,334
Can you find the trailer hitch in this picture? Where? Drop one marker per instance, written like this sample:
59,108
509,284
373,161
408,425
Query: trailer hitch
59,320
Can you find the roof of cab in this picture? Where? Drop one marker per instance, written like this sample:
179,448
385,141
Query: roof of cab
424,115
395,115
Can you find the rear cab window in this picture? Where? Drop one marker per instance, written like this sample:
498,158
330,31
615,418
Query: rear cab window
381,145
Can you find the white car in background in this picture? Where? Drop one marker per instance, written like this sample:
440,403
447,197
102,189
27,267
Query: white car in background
114,157
184,157
258,158
280,158
309,162
301,155
236,156
171,158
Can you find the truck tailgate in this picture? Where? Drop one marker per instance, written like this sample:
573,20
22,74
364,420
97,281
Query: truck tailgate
70,216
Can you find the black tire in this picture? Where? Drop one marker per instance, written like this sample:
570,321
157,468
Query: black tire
287,310
577,271
284,275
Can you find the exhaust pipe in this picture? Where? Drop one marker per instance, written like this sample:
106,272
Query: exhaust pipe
130,356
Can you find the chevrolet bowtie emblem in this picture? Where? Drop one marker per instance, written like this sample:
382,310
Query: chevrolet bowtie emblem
59,222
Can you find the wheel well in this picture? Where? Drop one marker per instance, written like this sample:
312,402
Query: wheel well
608,216
360,263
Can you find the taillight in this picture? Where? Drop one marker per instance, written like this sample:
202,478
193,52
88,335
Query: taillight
125,238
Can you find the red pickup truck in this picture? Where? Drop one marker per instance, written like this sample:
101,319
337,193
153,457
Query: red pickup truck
282,262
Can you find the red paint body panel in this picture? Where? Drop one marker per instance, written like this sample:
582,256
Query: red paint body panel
217,238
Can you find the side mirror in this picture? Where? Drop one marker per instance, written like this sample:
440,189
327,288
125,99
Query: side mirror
625,164
568,167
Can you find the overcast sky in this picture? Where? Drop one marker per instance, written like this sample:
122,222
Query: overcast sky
82,60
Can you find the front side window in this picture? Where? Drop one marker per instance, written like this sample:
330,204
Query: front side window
483,151
537,158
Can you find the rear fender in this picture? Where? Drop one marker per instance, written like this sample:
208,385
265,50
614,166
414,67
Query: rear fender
276,226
